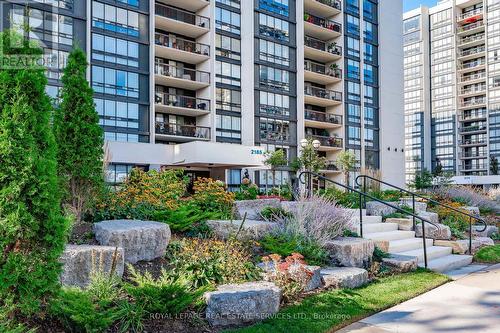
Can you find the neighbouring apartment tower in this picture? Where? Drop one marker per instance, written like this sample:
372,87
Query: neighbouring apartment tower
452,90
210,86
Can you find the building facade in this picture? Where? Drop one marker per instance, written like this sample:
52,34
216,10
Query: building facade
211,86
452,90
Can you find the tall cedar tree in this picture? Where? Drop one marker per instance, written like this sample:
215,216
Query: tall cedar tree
32,230
80,138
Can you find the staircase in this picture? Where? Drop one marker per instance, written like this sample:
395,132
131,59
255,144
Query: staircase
439,258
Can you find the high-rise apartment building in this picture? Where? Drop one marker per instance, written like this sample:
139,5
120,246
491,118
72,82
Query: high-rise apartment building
210,86
452,89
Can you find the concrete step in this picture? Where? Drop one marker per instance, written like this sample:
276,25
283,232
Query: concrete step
371,228
433,252
390,235
402,245
448,263
367,219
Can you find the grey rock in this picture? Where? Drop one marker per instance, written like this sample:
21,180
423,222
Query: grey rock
251,229
459,246
253,207
344,277
472,210
488,232
141,240
440,231
401,263
81,261
314,282
234,305
429,216
350,251
379,209
483,241
403,224
419,206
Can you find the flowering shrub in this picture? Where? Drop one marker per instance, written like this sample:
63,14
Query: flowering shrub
211,261
290,274
468,195
458,223
211,195
247,191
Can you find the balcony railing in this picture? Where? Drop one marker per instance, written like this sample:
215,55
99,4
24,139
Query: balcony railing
472,90
332,166
465,142
323,93
323,117
328,141
182,73
182,16
180,101
191,131
470,39
472,167
470,26
322,69
472,115
471,64
476,76
471,154
472,102
470,14
475,128
323,22
332,3
317,44
275,136
181,44
469,52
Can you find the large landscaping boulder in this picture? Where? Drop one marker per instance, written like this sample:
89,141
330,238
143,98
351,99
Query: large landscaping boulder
379,209
344,277
483,241
419,206
251,229
403,224
81,261
439,231
314,272
350,251
459,246
472,210
488,232
400,263
141,240
429,216
253,207
234,305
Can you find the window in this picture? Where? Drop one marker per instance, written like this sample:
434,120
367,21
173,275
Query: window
228,47
115,19
232,3
227,20
370,53
115,82
370,31
354,113
371,95
228,73
274,130
117,114
354,135
65,4
274,78
352,25
411,24
369,10
370,74
118,173
353,91
353,47
274,104
274,52
352,6
228,126
353,69
115,50
275,6
228,100
273,27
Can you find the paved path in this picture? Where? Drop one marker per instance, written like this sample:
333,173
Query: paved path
471,303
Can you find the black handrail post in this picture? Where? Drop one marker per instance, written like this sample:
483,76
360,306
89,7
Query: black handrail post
361,215
470,235
425,243
414,221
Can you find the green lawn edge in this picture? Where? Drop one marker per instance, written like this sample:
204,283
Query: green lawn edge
334,309
489,254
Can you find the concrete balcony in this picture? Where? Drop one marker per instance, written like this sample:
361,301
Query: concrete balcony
471,66
472,78
179,77
323,8
181,105
191,5
472,91
321,28
472,142
331,167
470,29
472,103
180,21
179,49
323,120
321,97
475,129
328,143
473,53
470,17
472,116
471,41
466,155
318,50
474,167
181,133
320,73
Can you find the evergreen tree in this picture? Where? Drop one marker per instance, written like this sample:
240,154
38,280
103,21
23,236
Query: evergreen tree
494,165
80,138
32,230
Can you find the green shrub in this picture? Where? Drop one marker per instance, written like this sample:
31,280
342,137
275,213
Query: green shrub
247,192
349,233
285,244
185,217
458,224
379,254
163,295
274,213
345,199
395,216
32,231
211,196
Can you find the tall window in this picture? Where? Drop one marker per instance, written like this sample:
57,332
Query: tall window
227,20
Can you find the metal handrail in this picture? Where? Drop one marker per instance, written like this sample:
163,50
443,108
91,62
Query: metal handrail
413,194
364,195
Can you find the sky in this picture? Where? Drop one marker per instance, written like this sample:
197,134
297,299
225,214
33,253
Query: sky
412,4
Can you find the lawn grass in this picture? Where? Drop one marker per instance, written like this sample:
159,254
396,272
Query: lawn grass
337,308
489,254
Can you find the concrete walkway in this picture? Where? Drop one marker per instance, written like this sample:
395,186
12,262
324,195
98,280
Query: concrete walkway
471,303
